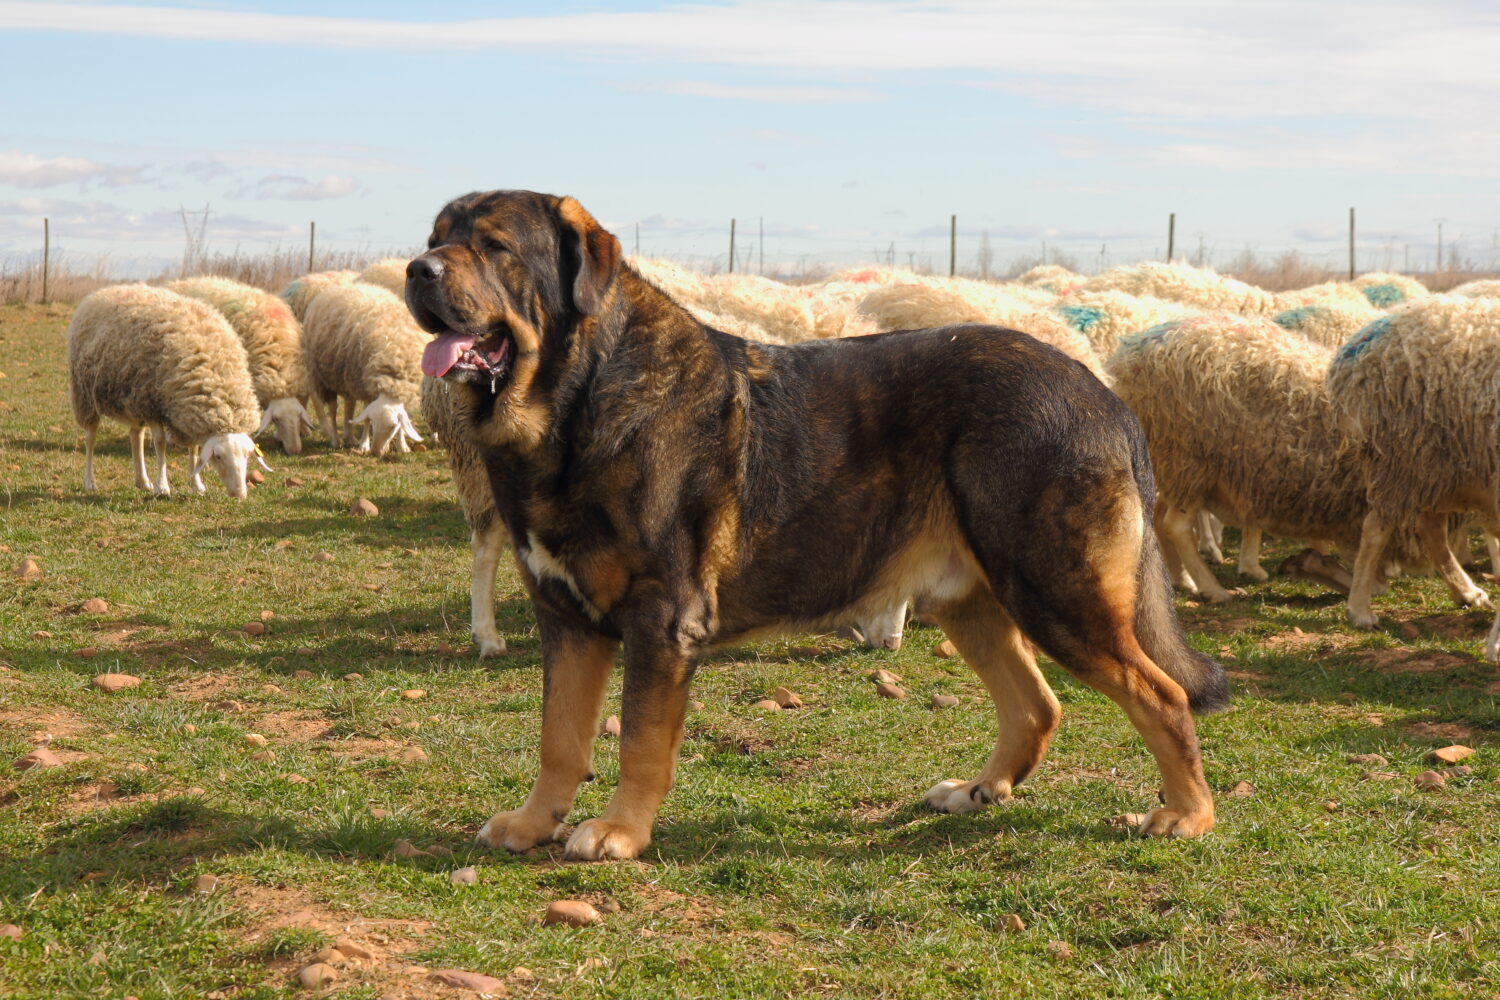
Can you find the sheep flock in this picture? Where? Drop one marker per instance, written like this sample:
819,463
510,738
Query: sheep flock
1357,418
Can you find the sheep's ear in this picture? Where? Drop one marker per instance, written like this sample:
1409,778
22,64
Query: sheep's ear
205,455
304,418
408,428
365,414
265,421
597,252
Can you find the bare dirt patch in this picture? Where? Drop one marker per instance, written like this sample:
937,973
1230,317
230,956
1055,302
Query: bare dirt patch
1452,731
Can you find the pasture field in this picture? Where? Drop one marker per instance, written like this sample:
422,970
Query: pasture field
793,858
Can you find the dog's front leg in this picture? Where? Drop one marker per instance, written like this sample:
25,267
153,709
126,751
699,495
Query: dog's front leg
575,670
657,673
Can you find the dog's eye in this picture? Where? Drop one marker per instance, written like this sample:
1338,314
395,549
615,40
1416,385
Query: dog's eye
493,245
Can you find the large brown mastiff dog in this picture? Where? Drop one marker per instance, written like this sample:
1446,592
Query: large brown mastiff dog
669,488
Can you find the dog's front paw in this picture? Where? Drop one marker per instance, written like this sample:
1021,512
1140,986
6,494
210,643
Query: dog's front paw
519,830
958,796
1171,823
598,839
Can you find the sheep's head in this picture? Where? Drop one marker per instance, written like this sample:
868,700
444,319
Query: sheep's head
289,417
390,425
229,455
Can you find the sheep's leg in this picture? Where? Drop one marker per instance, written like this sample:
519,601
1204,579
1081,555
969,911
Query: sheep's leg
1178,525
1460,543
138,456
1249,562
1492,544
1373,537
1175,571
89,434
159,445
1433,530
1210,531
488,543
328,419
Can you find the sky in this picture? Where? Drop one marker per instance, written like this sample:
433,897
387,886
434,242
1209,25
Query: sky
832,132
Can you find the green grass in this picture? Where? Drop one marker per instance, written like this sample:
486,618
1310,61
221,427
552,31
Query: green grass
792,859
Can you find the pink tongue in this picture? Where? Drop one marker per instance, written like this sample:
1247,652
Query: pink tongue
443,353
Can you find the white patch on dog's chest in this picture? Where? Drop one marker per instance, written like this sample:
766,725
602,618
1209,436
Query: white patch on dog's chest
543,564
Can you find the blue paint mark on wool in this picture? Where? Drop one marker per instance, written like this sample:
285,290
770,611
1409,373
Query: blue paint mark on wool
1385,294
1149,336
1361,341
1081,318
1296,319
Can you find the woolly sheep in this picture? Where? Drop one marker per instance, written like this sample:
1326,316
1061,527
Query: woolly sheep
1385,289
1328,325
154,359
929,304
389,273
1106,317
1418,389
1342,294
273,342
486,531
1052,277
361,344
1193,286
1485,289
300,293
1239,421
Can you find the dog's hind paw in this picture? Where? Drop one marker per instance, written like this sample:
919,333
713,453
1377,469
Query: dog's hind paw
599,840
518,830
958,796
1171,823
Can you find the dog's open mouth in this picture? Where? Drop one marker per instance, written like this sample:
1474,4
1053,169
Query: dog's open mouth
461,354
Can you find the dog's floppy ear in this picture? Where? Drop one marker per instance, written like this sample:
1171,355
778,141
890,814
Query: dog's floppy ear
597,252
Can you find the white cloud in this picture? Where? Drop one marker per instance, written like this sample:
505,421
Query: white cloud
31,171
785,95
287,187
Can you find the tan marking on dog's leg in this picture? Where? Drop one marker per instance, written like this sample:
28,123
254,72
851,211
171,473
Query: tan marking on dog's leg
1177,524
1249,560
575,670
655,702
1026,711
487,546
1433,530
137,457
1374,535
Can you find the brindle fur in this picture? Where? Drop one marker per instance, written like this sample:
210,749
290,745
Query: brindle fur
668,488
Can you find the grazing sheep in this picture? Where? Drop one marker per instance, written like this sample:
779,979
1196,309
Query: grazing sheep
1106,317
389,273
300,293
152,358
1385,289
930,304
273,342
1418,388
1328,325
1051,277
361,344
486,531
1488,288
1239,421
1199,287
1341,294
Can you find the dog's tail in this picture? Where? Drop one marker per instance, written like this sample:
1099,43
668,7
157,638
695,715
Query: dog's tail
1160,634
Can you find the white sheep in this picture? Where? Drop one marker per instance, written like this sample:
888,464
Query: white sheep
389,273
273,343
154,359
1418,389
361,344
1328,325
1051,277
1385,289
487,532
1239,421
1199,287
1107,317
1485,288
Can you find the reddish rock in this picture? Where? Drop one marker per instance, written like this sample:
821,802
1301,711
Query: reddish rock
363,508
1449,755
463,980
786,698
571,913
111,683
945,650
890,691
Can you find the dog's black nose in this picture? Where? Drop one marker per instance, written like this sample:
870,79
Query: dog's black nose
424,269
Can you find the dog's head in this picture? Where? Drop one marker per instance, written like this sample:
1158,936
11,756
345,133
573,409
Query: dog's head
508,279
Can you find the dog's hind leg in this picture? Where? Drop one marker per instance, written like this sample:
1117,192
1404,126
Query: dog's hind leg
575,668
1026,711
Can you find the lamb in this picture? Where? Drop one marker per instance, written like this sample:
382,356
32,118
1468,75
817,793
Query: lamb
1194,286
389,273
1385,289
300,293
152,358
1417,388
932,303
1107,317
1239,421
361,343
273,342
486,530
1328,325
